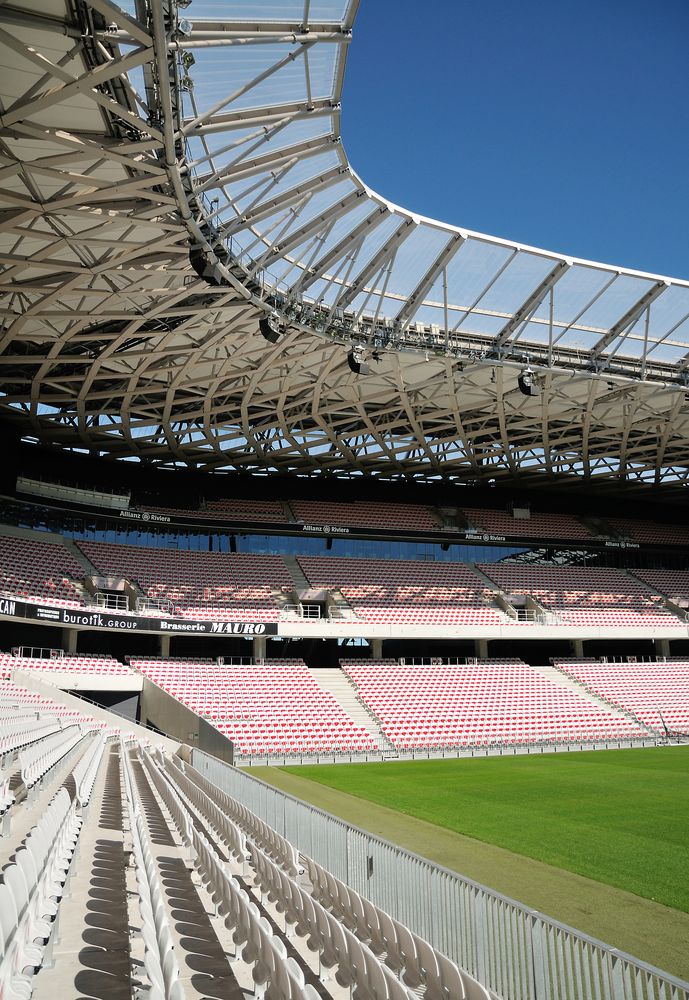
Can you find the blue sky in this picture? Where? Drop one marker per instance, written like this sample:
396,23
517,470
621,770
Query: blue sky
561,125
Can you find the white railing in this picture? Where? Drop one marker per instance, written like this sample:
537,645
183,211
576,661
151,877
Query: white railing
336,613
517,952
301,611
146,605
113,602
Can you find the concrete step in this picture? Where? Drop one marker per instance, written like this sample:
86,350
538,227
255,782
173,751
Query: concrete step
288,512
335,681
89,568
295,571
565,681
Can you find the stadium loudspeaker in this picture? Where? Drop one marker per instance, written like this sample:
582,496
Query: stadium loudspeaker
527,383
203,267
269,327
355,360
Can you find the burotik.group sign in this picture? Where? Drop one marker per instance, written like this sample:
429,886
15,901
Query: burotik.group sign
100,618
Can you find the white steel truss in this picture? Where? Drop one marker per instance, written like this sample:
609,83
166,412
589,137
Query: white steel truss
135,140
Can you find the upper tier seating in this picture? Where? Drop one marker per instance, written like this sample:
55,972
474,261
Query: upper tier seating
674,583
395,516
649,690
271,708
501,522
93,665
596,596
491,702
650,532
199,585
405,592
225,510
39,571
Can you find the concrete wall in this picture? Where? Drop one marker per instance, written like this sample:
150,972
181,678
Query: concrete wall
160,709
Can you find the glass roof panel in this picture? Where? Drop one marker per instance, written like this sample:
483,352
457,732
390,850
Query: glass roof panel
516,282
622,294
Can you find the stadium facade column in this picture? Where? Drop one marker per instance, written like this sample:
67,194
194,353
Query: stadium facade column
376,648
577,647
165,645
481,648
662,647
69,639
259,647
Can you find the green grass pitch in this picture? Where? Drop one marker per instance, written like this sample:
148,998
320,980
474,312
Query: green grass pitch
620,817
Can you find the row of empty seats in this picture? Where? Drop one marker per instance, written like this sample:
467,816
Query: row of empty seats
376,956
442,706
655,693
42,571
674,583
419,517
392,591
225,510
66,664
580,595
360,514
121,865
247,587
274,707
198,585
502,522
650,532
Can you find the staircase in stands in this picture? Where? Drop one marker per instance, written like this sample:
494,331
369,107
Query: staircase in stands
334,680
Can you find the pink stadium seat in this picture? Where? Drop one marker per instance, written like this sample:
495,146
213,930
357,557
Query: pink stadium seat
483,704
580,595
39,571
199,585
502,522
395,516
406,592
275,707
657,694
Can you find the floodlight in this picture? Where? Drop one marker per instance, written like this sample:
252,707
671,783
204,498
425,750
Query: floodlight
355,360
204,268
527,383
269,327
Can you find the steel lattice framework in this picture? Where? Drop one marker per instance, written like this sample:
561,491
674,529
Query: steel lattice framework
133,137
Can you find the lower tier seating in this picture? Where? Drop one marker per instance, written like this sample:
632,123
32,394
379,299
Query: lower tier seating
482,704
96,666
655,693
275,707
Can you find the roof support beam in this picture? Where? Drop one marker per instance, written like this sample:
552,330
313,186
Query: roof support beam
86,83
115,15
376,262
259,117
245,88
239,170
266,208
340,249
629,318
416,297
330,214
531,304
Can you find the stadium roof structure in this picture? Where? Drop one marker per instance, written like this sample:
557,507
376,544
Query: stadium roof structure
173,173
